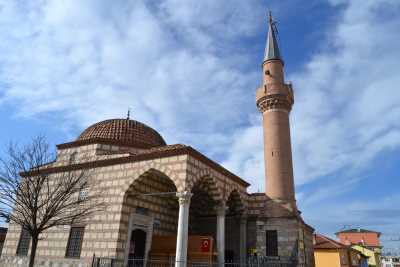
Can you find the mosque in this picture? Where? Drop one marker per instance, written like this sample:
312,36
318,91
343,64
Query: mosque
172,203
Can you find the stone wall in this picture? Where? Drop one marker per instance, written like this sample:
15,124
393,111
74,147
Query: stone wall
288,235
295,239
106,232
92,152
13,261
251,237
309,246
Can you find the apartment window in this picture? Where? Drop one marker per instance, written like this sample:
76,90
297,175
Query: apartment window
23,244
75,239
272,242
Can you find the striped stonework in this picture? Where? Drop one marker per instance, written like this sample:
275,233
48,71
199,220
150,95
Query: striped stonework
124,174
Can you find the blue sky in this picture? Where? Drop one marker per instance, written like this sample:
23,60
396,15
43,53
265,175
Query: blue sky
190,70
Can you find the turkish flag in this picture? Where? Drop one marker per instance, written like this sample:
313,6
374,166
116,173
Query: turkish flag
205,245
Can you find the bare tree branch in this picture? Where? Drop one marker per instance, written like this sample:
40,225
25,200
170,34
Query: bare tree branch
37,200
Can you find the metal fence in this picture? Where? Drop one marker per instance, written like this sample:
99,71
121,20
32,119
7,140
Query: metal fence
251,262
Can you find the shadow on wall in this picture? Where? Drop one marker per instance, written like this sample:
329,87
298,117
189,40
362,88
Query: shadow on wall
3,233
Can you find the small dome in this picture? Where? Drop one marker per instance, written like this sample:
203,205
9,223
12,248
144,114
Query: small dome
124,131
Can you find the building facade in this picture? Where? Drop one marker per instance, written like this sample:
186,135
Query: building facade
172,202
359,236
330,253
365,241
391,261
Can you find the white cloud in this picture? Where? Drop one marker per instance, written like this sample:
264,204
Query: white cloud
92,60
346,97
346,102
378,214
179,66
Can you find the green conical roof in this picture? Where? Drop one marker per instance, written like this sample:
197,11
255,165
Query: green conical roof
272,48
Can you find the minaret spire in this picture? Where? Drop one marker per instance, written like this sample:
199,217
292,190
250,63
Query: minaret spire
272,47
275,100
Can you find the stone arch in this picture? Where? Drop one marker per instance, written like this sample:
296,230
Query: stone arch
234,202
149,182
153,167
144,199
205,200
234,187
207,181
151,172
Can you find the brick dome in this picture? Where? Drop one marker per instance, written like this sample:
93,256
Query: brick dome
124,131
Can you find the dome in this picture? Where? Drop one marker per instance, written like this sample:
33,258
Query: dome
123,131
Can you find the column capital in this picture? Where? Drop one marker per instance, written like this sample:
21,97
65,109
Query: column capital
243,219
184,197
221,209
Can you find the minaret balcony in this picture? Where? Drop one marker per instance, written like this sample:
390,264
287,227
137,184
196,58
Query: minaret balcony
267,100
272,89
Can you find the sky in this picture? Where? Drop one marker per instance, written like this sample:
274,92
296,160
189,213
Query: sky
190,70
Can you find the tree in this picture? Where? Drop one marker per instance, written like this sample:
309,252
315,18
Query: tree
36,198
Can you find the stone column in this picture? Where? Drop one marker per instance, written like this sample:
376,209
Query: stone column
243,240
221,234
183,222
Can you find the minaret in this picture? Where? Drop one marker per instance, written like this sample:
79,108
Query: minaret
275,100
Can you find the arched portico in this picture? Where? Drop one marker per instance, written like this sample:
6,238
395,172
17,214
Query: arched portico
200,208
203,208
207,212
149,205
156,204
196,214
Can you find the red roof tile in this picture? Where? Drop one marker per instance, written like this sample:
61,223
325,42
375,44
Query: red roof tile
322,241
123,131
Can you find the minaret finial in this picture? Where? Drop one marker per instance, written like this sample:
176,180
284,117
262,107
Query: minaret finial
270,17
129,113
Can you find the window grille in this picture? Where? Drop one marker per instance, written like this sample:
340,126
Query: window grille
272,242
74,245
83,193
23,244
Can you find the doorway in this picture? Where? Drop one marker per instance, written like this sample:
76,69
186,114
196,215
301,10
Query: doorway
139,237
137,245
229,256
